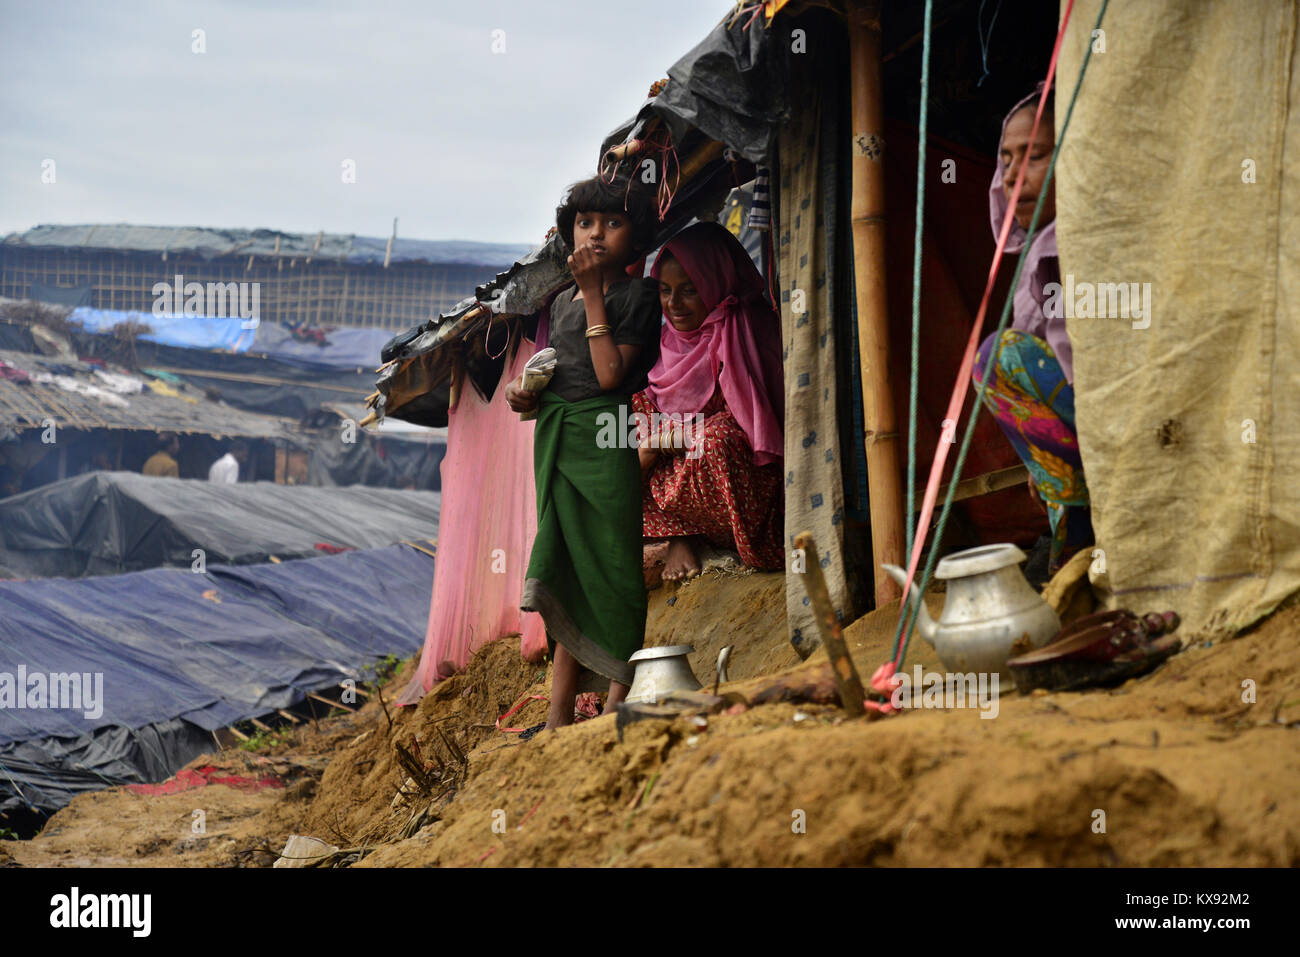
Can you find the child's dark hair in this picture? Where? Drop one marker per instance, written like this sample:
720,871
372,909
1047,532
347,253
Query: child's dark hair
596,196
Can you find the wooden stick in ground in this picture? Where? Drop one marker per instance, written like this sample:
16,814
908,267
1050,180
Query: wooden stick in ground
867,214
384,704
846,675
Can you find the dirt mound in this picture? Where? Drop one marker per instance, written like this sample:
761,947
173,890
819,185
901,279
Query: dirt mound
243,822
720,608
354,805
1171,769
1195,764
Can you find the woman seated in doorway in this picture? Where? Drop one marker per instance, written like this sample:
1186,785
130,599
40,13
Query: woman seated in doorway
711,460
1030,390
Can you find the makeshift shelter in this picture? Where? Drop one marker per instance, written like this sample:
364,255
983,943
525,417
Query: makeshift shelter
79,397
390,454
169,657
293,395
61,416
1188,413
303,279
106,523
766,96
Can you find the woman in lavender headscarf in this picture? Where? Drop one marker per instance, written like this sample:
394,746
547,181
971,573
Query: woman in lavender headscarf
1030,390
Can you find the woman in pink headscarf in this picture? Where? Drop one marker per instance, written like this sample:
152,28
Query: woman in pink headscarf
711,458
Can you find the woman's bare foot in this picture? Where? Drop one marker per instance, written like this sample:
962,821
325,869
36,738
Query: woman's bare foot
653,556
682,562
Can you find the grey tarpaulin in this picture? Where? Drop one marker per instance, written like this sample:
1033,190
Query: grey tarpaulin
183,654
104,523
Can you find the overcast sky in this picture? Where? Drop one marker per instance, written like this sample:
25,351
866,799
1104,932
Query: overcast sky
457,141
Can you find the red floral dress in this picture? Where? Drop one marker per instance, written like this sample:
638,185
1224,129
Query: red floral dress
721,494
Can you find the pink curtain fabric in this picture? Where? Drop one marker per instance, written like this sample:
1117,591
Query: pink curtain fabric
489,518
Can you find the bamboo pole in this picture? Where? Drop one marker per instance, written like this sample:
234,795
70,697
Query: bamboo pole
868,219
457,378
994,481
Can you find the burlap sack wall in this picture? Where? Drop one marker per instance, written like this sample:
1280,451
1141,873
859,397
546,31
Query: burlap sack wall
1189,428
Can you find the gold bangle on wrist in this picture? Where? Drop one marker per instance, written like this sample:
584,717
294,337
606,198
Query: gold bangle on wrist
601,330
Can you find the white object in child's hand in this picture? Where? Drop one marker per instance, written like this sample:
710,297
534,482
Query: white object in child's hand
537,375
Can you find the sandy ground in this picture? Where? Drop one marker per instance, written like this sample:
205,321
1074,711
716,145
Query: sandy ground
1170,769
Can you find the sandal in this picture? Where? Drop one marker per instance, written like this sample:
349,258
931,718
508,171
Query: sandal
1102,649
529,733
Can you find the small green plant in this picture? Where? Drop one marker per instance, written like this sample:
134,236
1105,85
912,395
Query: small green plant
264,740
376,673
7,834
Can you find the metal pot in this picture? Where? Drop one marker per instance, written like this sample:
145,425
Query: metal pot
990,612
659,671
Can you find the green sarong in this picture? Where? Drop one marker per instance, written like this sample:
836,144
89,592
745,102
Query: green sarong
585,574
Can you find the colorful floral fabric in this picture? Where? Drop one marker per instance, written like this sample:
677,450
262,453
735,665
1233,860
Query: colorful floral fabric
1032,401
721,495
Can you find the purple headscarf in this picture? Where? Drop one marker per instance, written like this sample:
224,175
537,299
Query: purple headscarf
1041,265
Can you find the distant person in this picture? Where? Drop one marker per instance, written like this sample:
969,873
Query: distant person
226,469
162,464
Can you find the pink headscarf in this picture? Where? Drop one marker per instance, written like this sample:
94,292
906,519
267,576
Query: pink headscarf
1029,297
741,335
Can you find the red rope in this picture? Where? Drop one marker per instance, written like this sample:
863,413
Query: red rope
519,704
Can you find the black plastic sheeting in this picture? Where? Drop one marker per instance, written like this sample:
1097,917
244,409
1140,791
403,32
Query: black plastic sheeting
61,295
383,463
730,87
183,654
16,337
106,523
301,388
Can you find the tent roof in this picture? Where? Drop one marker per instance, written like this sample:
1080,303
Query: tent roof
213,243
182,654
111,522
28,406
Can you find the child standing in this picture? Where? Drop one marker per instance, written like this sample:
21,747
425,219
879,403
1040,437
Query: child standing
585,574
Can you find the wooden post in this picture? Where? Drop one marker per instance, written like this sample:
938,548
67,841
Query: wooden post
868,219
846,675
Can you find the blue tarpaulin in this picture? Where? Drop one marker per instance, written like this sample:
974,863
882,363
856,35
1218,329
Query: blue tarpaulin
188,332
182,654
